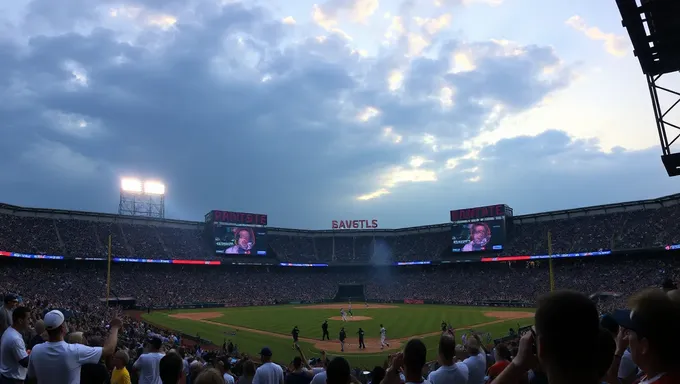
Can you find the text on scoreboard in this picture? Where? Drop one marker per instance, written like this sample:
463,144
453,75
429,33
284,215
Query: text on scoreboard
230,217
474,214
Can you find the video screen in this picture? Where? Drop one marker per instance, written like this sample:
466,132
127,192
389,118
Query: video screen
240,240
479,236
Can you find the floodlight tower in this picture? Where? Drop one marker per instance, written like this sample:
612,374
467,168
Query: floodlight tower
654,30
142,198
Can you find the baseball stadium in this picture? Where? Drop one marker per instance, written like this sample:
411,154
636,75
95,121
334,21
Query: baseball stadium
201,283
485,294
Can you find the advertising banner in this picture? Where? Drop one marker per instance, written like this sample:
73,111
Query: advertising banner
354,224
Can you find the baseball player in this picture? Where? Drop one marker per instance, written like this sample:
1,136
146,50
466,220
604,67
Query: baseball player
349,310
383,337
343,314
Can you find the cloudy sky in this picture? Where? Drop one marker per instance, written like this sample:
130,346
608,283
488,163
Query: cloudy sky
398,110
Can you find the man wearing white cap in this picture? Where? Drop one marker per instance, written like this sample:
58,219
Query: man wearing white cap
58,362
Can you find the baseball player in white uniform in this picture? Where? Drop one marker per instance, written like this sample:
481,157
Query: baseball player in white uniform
343,314
383,337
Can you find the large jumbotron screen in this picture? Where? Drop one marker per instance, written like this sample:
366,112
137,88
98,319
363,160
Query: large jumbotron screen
240,240
478,236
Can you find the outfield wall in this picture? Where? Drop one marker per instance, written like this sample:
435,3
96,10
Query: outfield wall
480,303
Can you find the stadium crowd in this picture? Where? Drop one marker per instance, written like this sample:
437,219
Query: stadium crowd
131,348
78,237
170,285
56,328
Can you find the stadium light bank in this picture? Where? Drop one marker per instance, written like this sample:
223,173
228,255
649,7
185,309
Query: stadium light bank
142,198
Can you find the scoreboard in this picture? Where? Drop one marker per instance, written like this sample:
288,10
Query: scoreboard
479,229
237,233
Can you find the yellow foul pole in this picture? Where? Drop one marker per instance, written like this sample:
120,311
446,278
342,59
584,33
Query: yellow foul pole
108,275
550,263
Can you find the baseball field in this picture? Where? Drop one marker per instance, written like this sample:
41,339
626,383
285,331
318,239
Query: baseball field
252,328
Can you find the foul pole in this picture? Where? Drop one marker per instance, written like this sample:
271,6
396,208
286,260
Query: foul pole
108,275
550,263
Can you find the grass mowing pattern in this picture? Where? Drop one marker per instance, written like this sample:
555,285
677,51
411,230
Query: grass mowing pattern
401,322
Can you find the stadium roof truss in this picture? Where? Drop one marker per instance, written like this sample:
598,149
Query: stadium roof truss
654,30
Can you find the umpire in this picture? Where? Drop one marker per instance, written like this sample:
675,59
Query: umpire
361,339
295,333
342,337
324,328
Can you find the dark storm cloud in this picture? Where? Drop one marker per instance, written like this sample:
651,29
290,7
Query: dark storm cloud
232,114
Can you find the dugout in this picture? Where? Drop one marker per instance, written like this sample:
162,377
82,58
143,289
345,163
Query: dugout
123,302
350,292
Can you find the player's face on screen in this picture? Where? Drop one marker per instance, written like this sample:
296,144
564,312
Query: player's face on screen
479,234
243,239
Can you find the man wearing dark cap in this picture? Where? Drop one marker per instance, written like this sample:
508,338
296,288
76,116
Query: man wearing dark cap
268,372
627,369
10,302
650,329
148,364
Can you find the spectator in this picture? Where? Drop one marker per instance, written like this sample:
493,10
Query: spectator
56,361
13,356
120,374
415,357
320,377
148,364
209,376
171,369
560,315
503,359
248,373
39,329
268,372
225,369
10,302
411,361
338,372
606,348
449,372
377,375
652,333
298,375
627,371
476,363
96,373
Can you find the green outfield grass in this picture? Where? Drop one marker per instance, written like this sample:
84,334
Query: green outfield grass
401,322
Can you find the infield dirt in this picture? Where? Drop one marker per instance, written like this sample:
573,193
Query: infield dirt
351,318
372,344
345,306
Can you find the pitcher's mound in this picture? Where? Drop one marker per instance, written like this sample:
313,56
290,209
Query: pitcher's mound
350,318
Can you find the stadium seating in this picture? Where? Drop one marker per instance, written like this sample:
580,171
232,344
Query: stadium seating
153,284
78,286
87,236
